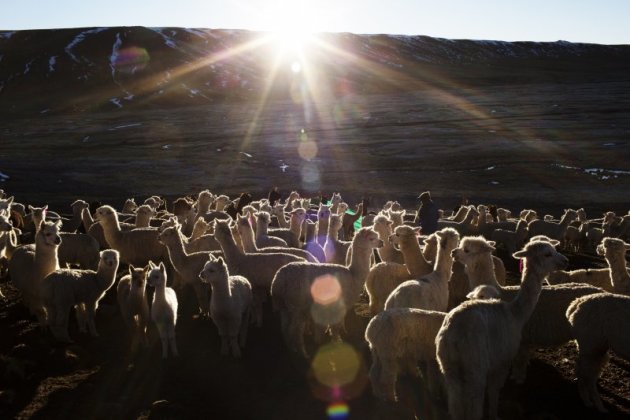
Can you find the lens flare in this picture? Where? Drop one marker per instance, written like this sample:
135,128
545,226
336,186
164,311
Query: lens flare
131,59
326,289
338,411
336,364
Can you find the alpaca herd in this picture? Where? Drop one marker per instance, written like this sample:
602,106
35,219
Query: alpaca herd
439,305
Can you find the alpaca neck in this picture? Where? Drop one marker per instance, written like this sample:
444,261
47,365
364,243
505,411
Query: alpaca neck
359,265
564,221
202,208
176,252
525,301
229,247
469,217
282,221
160,293
261,228
46,256
443,263
197,233
333,234
414,260
106,276
143,221
481,271
247,238
87,218
112,232
619,276
295,226
221,288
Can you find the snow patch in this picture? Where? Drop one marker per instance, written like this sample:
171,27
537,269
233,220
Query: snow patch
124,126
116,102
78,39
6,34
3,177
51,63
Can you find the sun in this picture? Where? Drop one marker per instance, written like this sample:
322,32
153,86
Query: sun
292,24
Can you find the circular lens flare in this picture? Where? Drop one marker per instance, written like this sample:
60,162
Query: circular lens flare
336,364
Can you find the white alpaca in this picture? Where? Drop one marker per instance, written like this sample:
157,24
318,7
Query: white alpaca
163,308
262,235
144,214
599,323
310,241
335,250
383,226
321,292
484,291
399,338
246,232
384,277
547,326
429,292
479,339
187,265
136,246
323,219
82,289
614,279
511,240
30,264
258,268
230,305
465,227
132,301
553,230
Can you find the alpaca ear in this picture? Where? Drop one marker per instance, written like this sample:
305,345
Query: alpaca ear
554,242
58,223
220,261
627,246
45,207
30,208
162,267
520,254
131,268
10,199
151,265
492,243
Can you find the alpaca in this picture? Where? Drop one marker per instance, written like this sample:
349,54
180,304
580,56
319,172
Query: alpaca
290,234
553,230
503,214
478,339
30,264
323,220
310,242
397,217
144,213
163,308
186,265
230,305
335,200
383,226
335,249
429,292
62,289
220,202
278,211
547,326
511,240
484,291
262,236
73,224
322,292
465,227
136,246
130,206
399,338
258,269
599,323
204,200
349,218
78,248
246,232
384,277
133,304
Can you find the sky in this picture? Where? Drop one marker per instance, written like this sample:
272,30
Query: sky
596,21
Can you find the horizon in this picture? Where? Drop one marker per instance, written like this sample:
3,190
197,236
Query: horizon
534,21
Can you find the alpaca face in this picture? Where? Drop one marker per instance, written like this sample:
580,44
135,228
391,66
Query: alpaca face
263,218
145,211
156,277
544,256
449,239
323,213
5,204
213,271
299,214
335,222
369,237
222,229
470,249
138,277
168,235
49,232
109,258
612,247
130,206
402,233
105,213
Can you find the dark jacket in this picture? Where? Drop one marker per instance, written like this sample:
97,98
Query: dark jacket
427,217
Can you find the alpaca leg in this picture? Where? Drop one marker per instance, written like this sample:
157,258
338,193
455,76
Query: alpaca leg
90,312
236,351
519,365
201,291
387,379
172,342
589,367
434,380
496,380
163,339
242,333
81,315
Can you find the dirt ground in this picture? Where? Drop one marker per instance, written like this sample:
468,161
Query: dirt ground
545,147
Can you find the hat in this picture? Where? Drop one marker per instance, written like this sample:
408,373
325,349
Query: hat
425,196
